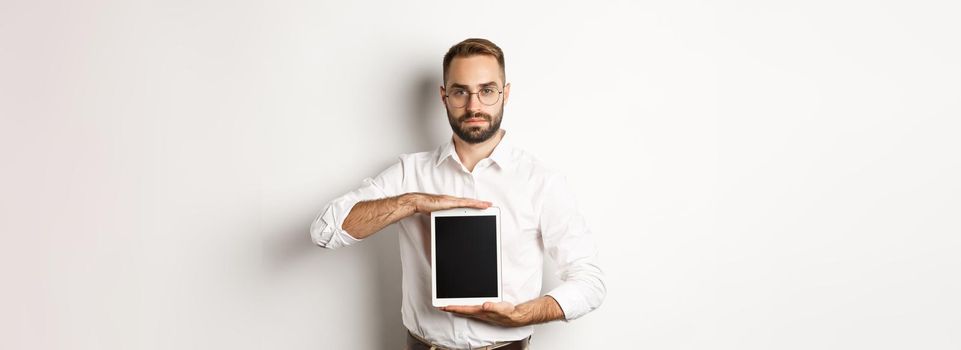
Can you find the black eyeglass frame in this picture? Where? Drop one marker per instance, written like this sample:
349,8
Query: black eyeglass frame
500,92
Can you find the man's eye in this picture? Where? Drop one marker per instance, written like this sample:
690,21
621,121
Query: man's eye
459,93
487,91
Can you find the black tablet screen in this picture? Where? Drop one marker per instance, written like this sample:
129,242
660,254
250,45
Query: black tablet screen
466,256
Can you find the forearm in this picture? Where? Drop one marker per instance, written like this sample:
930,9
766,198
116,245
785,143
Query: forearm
368,217
540,310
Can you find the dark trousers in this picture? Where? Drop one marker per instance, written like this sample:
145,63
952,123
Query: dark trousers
415,344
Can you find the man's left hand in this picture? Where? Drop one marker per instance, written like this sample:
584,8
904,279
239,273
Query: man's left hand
501,313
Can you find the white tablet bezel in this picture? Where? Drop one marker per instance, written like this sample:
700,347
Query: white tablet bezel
437,302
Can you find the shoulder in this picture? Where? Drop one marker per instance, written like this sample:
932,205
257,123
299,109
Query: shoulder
417,158
411,164
532,168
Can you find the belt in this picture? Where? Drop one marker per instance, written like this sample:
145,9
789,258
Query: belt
519,344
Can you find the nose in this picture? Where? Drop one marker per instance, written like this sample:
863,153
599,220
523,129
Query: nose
473,102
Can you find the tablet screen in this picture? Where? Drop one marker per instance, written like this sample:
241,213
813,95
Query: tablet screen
466,256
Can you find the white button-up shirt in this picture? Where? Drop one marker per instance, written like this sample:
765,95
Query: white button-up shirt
538,215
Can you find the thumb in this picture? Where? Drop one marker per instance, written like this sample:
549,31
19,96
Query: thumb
501,307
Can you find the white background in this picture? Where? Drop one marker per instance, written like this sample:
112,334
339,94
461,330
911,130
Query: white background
758,175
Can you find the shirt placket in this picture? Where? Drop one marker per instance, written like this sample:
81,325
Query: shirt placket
471,186
475,192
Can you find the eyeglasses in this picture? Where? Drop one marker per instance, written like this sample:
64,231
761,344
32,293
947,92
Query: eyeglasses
458,97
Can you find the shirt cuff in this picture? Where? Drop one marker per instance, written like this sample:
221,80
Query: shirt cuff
326,231
571,299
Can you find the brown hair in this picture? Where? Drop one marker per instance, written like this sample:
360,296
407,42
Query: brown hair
472,47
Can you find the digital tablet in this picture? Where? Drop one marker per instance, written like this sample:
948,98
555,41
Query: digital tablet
465,247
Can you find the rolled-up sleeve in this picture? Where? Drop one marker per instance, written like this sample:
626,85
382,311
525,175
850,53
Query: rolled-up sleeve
327,228
570,244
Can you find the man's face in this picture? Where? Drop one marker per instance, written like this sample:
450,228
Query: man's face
474,122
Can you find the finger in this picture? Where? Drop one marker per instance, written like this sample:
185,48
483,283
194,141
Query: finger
464,309
496,308
473,203
462,314
461,309
503,307
481,317
463,203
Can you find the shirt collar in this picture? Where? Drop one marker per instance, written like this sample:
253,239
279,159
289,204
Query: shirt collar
501,154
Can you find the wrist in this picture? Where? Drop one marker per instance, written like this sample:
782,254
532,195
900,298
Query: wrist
539,310
521,316
408,203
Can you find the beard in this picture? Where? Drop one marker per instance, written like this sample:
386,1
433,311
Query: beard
475,134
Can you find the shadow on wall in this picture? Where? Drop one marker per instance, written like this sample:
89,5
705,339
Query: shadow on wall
425,129
422,111
384,249
379,252
428,124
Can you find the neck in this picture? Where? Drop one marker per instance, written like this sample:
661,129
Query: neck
470,154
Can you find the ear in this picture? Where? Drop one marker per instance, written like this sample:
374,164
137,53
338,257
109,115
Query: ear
507,92
443,92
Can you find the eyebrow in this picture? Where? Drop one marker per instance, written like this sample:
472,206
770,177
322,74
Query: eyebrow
456,85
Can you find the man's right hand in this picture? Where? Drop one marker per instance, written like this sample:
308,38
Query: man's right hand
368,217
426,203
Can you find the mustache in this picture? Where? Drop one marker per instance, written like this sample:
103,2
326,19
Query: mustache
467,116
